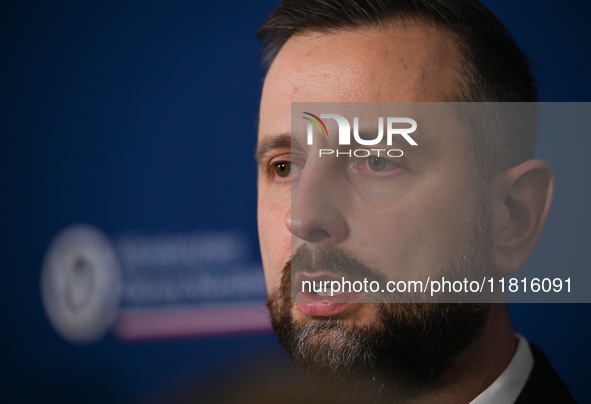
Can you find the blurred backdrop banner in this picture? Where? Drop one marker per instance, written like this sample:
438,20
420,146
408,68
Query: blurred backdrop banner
152,286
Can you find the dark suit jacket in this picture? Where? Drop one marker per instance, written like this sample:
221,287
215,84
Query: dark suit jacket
544,385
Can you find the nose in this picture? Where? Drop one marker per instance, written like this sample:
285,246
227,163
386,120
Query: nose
317,204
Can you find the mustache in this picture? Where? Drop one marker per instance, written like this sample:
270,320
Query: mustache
330,260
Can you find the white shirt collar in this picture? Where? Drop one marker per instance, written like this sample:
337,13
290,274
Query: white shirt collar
507,387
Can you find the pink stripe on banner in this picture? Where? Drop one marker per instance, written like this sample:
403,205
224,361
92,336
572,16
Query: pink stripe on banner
158,325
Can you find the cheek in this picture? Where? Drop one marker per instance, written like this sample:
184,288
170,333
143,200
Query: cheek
274,238
417,235
443,229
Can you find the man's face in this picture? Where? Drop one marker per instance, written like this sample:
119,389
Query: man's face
424,215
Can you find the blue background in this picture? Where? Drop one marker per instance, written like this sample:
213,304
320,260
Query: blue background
140,115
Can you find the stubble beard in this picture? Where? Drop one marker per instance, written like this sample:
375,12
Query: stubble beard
404,349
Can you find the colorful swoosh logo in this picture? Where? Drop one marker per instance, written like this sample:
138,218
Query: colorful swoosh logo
319,120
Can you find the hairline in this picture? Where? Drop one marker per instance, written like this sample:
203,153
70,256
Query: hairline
462,66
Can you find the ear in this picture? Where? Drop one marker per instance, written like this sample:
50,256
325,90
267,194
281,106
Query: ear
521,198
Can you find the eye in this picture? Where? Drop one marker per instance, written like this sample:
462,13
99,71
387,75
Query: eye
282,168
376,163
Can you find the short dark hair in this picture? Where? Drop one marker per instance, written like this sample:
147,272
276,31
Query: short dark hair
494,69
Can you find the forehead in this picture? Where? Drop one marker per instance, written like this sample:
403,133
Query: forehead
407,62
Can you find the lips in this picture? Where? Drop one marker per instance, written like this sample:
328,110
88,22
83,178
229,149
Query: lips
315,305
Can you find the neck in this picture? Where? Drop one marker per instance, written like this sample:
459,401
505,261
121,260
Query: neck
481,363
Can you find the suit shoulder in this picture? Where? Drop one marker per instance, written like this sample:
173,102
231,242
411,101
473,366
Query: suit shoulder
544,385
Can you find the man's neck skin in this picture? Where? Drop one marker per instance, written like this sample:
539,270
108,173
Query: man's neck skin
481,363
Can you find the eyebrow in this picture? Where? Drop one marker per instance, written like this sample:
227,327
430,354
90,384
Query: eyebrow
266,146
284,141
